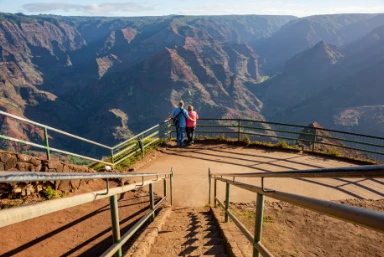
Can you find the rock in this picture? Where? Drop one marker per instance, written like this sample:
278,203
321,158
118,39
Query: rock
53,164
16,190
2,167
75,183
36,162
66,168
30,190
24,158
25,166
39,188
64,185
10,163
4,156
132,169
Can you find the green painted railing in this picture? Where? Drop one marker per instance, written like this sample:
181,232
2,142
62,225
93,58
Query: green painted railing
117,154
307,138
15,215
370,219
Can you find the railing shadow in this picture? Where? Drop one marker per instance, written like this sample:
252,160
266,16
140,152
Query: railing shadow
73,223
233,158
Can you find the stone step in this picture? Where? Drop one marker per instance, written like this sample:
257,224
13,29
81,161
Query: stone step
189,250
189,232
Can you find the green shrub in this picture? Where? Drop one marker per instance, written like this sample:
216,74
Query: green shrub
245,140
333,152
282,144
50,193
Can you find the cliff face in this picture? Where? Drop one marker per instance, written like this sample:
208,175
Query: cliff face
105,78
108,78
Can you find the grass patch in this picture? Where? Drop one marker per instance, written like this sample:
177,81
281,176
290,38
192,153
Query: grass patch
268,219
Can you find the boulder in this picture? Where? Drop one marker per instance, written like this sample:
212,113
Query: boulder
64,186
24,158
75,183
10,163
25,166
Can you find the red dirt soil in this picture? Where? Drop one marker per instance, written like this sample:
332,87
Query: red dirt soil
83,230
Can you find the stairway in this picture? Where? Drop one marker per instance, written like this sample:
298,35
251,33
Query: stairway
189,232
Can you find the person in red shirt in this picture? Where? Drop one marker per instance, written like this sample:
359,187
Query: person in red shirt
191,125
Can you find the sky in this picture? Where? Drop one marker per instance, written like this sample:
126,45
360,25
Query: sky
298,8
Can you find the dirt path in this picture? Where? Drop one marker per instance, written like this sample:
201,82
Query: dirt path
190,166
293,231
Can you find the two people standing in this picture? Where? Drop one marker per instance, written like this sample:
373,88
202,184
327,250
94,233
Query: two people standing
184,122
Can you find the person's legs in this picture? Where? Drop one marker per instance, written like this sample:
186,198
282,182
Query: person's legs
192,135
182,134
189,135
178,136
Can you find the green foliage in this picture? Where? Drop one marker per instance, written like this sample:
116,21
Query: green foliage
50,193
245,140
268,219
333,152
77,160
282,144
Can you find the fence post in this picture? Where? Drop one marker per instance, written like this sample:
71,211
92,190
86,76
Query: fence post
258,222
151,201
226,202
238,130
47,143
314,139
209,183
165,187
115,223
170,186
112,160
214,192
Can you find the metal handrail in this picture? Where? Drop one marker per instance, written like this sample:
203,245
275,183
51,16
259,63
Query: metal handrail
49,149
308,138
22,213
53,129
370,219
371,171
292,125
18,176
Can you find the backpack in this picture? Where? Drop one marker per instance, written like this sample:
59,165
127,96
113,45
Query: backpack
176,119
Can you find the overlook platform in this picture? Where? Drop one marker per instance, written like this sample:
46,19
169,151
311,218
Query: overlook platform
191,174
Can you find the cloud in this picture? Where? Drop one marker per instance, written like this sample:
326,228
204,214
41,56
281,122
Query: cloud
94,9
248,8
358,9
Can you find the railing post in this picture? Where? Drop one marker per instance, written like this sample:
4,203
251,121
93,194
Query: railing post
115,223
238,130
258,222
209,186
226,202
47,143
151,200
314,139
112,160
214,192
165,187
170,186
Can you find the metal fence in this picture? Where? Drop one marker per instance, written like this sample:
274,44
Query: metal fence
308,138
18,214
115,154
367,218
